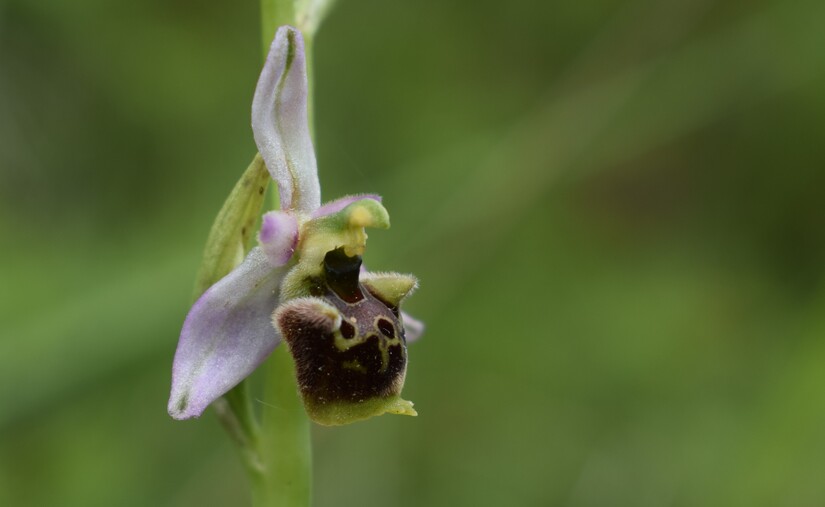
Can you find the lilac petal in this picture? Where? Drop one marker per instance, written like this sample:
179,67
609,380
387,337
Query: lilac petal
280,125
278,236
413,328
226,335
339,204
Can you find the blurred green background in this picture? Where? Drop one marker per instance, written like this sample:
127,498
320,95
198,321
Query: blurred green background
616,210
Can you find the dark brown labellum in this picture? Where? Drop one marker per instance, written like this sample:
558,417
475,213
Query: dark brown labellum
362,359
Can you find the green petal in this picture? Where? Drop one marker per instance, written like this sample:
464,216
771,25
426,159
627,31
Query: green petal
391,288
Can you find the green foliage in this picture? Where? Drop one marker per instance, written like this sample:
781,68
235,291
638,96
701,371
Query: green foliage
233,231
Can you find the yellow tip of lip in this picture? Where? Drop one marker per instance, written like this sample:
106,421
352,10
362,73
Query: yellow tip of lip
402,407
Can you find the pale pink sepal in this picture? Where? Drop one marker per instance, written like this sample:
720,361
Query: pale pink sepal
280,124
226,335
413,328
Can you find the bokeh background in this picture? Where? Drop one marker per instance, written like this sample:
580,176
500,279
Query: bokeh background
616,210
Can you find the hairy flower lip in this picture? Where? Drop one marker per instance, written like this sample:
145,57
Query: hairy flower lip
348,344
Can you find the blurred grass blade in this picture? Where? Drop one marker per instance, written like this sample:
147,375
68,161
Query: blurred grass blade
578,132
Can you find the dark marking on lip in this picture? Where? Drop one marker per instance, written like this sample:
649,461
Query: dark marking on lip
341,272
386,328
316,286
324,363
365,358
347,330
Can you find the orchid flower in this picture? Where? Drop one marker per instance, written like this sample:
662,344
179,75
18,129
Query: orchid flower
304,281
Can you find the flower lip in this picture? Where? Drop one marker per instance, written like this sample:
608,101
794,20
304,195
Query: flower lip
351,367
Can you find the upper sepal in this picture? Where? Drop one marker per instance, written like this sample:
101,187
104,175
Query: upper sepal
280,124
226,335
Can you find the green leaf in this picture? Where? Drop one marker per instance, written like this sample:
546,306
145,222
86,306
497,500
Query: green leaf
231,233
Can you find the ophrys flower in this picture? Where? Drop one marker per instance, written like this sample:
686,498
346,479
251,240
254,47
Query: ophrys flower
303,282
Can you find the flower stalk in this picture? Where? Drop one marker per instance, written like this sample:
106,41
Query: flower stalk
285,446
285,443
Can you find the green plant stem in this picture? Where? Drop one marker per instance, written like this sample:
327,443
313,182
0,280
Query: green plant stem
283,445
237,416
275,13
285,439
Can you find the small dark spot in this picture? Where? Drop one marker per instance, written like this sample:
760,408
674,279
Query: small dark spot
243,231
386,328
290,50
183,403
260,190
347,330
316,286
